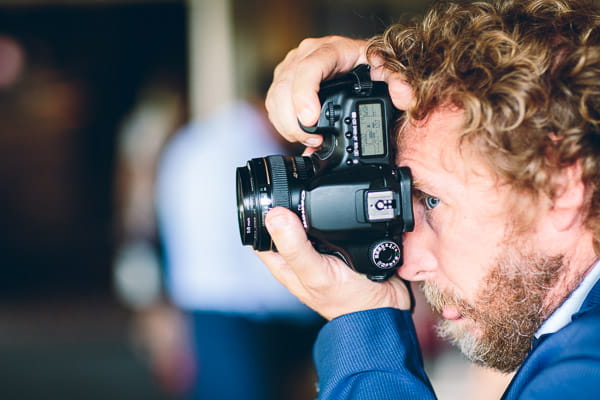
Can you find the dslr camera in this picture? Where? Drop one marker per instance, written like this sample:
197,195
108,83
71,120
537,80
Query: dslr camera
352,199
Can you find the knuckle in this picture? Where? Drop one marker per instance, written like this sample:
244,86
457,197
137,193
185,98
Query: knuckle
271,101
288,59
334,38
307,43
277,70
295,254
269,104
328,50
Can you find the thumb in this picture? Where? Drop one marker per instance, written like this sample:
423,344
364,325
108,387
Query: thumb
290,238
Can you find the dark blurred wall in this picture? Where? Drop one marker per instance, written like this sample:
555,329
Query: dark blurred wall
84,67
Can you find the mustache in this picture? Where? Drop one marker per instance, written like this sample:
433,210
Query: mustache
438,299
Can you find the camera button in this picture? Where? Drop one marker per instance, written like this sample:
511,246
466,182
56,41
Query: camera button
348,120
350,149
348,134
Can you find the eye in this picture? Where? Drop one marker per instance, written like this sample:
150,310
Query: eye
431,202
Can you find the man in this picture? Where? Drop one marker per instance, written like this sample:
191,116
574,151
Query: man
501,134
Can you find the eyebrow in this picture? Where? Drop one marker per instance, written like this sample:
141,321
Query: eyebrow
421,186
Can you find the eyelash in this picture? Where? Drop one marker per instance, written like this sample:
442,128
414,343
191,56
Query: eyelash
427,200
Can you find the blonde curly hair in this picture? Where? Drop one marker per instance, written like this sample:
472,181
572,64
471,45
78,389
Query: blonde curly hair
526,73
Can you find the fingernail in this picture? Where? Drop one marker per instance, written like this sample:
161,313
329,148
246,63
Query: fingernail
311,142
273,221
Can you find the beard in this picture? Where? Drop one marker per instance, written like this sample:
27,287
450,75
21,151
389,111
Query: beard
498,327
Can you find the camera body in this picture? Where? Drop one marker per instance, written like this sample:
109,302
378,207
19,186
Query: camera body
352,199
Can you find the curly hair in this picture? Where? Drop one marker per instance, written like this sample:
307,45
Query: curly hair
527,75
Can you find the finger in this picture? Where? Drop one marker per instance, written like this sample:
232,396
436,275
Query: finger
309,151
280,110
332,56
378,70
281,270
284,119
321,59
279,100
293,95
400,91
304,90
289,236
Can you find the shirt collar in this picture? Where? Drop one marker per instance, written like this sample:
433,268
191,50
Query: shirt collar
561,317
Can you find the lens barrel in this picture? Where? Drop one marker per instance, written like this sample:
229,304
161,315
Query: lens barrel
264,183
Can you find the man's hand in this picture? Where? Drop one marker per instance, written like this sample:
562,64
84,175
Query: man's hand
324,282
293,95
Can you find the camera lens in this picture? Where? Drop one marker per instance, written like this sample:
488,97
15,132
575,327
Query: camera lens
265,183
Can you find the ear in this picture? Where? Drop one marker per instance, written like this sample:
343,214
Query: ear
569,199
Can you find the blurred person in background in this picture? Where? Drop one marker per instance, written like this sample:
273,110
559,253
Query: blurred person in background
157,328
223,330
241,319
501,133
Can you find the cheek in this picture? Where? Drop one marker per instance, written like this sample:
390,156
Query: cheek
465,252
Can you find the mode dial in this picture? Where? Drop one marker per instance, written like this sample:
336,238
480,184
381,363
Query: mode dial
386,254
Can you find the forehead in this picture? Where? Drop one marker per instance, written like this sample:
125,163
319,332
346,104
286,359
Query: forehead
433,150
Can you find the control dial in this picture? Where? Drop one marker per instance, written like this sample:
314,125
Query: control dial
386,254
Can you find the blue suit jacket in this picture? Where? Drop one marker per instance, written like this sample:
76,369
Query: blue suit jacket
374,354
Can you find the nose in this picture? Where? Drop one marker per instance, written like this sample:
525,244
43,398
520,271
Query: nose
420,258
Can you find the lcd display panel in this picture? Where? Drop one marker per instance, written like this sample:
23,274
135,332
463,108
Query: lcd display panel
371,129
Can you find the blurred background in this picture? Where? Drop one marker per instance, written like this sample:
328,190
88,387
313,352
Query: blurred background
91,92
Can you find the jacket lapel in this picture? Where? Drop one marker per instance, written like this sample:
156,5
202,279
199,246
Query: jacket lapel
591,302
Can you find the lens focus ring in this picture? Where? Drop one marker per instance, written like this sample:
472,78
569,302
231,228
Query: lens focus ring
279,182
301,168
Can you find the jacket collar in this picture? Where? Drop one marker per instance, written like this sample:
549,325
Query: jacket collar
591,302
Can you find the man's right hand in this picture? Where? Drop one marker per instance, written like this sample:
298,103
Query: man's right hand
293,95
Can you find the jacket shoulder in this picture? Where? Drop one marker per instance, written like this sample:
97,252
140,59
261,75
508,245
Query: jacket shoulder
566,363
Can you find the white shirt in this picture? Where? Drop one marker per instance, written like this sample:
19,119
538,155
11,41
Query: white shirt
561,317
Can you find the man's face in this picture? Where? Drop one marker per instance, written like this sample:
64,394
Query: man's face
488,282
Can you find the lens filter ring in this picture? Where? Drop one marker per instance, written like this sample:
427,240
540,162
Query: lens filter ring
246,207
